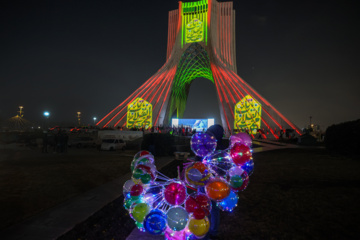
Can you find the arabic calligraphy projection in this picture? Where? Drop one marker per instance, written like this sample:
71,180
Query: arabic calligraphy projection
194,31
247,114
139,114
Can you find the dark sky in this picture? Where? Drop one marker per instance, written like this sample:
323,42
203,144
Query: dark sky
88,56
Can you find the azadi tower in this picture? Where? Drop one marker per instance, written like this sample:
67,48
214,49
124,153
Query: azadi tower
201,43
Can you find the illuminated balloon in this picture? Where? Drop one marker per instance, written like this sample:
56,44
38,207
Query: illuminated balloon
228,204
240,154
246,180
218,162
199,227
236,170
155,222
136,190
175,193
127,186
140,211
236,182
145,178
203,202
142,157
199,213
177,218
195,177
243,138
174,235
200,166
217,189
203,144
129,203
249,167
191,204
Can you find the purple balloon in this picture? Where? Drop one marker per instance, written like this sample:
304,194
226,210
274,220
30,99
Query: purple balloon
203,144
243,138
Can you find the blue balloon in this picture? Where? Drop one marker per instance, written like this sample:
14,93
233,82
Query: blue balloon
154,189
229,203
203,144
249,167
177,218
155,222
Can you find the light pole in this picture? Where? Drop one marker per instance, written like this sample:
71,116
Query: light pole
94,118
46,115
79,118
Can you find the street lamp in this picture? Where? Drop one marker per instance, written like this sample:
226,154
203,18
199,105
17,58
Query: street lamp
47,115
79,117
94,118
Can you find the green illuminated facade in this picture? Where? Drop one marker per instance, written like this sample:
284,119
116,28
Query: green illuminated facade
194,22
200,44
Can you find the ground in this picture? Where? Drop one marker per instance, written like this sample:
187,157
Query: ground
293,193
31,181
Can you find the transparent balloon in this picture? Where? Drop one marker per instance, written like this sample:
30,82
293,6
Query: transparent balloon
197,175
243,138
229,203
177,218
218,163
249,167
203,144
175,193
155,222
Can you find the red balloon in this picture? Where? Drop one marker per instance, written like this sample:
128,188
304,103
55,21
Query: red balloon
144,152
175,193
199,213
240,154
136,190
204,203
191,204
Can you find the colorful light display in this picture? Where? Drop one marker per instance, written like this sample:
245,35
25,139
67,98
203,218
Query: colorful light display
180,208
248,114
139,114
201,43
194,22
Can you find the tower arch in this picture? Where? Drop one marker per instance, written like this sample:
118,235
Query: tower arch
201,43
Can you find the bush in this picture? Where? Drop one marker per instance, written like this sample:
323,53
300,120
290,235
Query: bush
159,144
343,138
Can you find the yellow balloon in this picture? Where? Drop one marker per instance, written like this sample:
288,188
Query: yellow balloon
199,227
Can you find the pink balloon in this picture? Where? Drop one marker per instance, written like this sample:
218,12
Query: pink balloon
175,193
243,138
240,153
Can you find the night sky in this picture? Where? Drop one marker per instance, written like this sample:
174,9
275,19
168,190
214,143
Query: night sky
88,56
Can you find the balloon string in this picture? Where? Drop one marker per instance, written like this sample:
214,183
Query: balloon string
163,175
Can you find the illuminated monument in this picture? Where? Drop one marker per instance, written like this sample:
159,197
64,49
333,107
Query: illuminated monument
201,43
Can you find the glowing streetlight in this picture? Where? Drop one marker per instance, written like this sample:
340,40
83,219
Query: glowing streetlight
46,115
79,117
94,118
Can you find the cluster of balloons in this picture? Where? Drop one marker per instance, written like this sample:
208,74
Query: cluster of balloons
180,208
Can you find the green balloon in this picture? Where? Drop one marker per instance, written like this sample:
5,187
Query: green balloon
145,178
137,173
129,202
236,181
140,211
